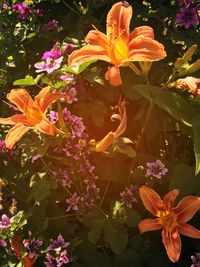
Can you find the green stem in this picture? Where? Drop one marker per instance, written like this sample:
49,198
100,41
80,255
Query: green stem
62,217
73,10
104,194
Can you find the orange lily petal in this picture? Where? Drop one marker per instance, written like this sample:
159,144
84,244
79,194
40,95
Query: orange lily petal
28,262
172,243
46,127
118,20
123,119
97,38
15,133
169,198
86,53
144,31
151,199
21,118
21,99
188,230
113,76
44,99
6,121
149,225
104,143
145,49
186,208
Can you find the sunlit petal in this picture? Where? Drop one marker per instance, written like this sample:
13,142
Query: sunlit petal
186,208
21,98
118,20
113,76
87,53
46,127
15,133
151,199
169,198
145,49
172,243
144,31
149,225
104,143
188,230
6,121
95,37
21,118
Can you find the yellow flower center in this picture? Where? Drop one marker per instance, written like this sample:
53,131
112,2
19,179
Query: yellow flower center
167,219
119,50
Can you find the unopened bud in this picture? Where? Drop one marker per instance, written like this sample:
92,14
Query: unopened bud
189,53
194,67
104,143
145,67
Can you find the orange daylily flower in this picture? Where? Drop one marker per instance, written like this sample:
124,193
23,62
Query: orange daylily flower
103,144
33,114
118,46
171,219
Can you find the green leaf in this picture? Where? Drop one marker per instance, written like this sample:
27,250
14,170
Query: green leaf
84,65
28,80
18,221
196,140
132,217
183,178
169,101
122,146
116,236
41,185
31,35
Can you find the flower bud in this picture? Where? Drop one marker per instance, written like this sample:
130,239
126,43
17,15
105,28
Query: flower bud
189,53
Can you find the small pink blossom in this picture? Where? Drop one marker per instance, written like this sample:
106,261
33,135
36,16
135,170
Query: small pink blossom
49,65
51,25
68,48
128,196
22,9
156,169
73,201
5,221
53,53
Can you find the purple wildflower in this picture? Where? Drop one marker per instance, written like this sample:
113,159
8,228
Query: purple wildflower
6,153
128,196
51,261
22,9
53,53
3,243
5,221
67,78
49,66
184,2
38,12
156,169
51,25
53,116
68,48
196,260
32,246
73,201
187,17
58,244
76,124
63,259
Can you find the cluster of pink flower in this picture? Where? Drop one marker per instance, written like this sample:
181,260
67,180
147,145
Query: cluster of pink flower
23,10
77,164
187,15
56,254
51,60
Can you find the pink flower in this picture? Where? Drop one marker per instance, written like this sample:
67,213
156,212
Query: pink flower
128,196
22,9
156,169
51,25
191,84
49,65
53,54
5,221
73,201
